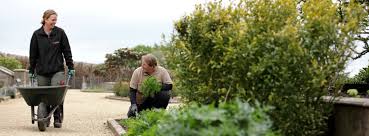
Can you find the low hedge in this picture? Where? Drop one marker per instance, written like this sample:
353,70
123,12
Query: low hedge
121,89
236,118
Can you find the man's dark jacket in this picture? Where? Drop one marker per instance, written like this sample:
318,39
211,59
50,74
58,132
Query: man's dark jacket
46,52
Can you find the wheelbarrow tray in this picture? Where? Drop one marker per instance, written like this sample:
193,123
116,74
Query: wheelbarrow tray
50,95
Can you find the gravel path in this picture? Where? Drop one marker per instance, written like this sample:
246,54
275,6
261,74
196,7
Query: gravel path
85,115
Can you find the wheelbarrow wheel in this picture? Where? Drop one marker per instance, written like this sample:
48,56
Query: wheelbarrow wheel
41,113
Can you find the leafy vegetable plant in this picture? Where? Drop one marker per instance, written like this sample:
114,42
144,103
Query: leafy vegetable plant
150,87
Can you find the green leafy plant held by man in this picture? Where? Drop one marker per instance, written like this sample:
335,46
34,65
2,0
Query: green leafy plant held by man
150,87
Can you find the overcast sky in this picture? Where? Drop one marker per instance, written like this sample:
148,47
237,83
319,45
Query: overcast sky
95,28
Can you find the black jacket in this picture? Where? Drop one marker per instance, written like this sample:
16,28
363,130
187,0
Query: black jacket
47,53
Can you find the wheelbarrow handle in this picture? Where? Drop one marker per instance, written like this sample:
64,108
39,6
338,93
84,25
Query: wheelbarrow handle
68,78
33,81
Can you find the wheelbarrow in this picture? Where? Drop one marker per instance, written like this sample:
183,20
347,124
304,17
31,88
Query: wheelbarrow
43,97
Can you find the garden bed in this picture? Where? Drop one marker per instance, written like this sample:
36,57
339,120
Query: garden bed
115,126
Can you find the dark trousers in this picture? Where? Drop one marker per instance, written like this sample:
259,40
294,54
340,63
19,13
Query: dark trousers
52,80
160,100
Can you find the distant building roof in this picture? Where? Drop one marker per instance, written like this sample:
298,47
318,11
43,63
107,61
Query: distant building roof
6,71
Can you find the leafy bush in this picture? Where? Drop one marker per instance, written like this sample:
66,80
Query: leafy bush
175,91
229,119
121,89
145,123
10,63
150,86
352,92
268,51
361,78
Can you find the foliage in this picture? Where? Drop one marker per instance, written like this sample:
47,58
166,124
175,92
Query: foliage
361,78
84,69
363,37
122,63
22,59
123,57
150,86
10,63
142,49
121,88
100,70
145,123
229,119
157,50
352,92
267,51
338,84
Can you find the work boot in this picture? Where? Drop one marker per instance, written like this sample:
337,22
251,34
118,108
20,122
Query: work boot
57,118
57,123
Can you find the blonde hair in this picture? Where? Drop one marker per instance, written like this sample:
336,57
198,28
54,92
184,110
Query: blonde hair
47,14
150,60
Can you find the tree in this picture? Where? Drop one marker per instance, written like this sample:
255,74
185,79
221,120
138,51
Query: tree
10,63
122,63
157,50
362,37
142,49
100,70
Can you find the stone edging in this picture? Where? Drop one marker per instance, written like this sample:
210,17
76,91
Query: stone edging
118,98
115,127
363,102
128,100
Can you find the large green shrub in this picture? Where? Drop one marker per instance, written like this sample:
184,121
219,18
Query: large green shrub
121,88
229,119
10,63
275,51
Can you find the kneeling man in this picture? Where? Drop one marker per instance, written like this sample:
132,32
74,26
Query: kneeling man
149,67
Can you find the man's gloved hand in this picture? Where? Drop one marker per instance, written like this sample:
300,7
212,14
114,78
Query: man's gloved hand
166,87
132,111
134,108
71,72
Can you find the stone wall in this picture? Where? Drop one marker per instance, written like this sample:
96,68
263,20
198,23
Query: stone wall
350,117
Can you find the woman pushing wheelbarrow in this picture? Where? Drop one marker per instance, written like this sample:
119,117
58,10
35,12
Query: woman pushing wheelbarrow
49,48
